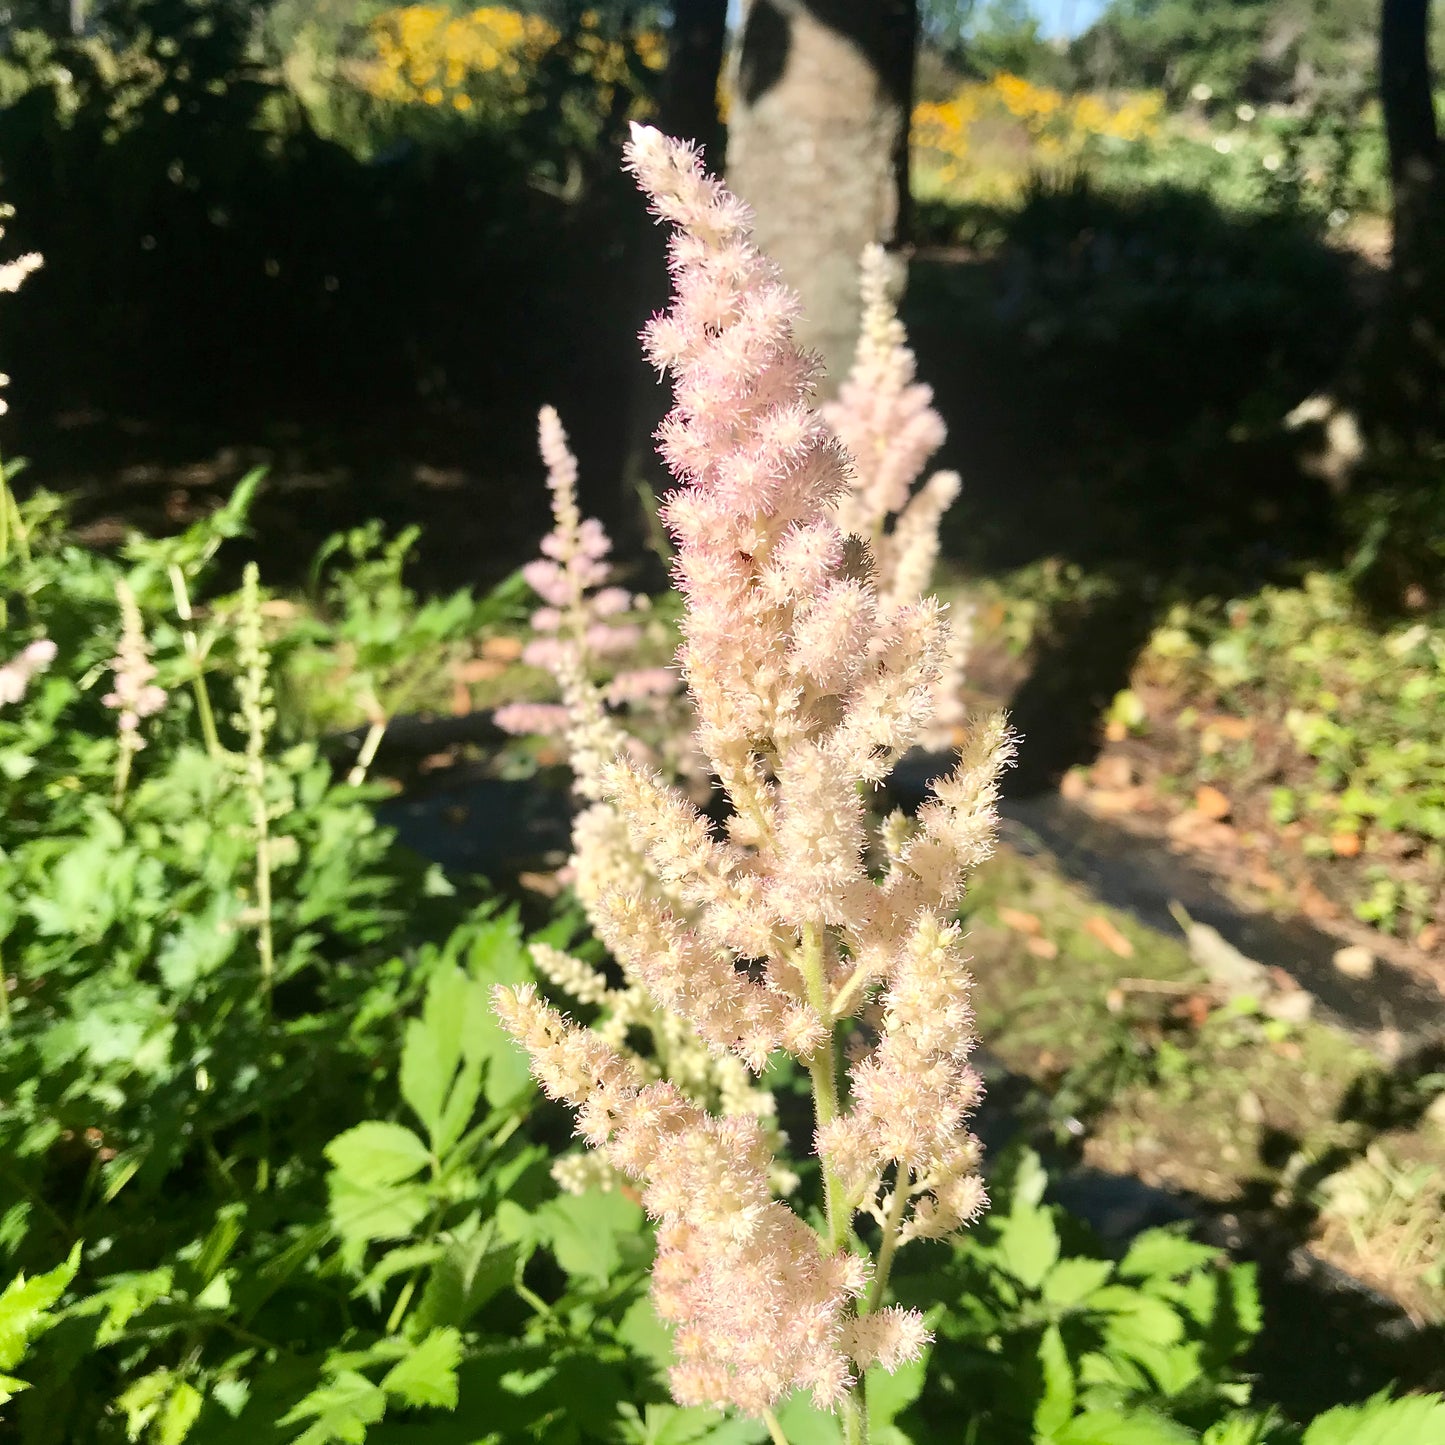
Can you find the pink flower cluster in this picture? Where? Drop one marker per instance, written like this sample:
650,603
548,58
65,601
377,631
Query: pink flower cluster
775,933
17,674
578,626
135,695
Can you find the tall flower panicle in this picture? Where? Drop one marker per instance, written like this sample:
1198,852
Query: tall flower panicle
771,933
135,695
886,419
583,621
576,632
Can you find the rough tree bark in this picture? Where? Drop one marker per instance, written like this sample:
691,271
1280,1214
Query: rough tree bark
1410,358
1411,128
818,145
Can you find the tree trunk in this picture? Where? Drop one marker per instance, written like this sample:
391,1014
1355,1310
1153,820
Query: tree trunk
695,45
1410,124
1412,355
818,145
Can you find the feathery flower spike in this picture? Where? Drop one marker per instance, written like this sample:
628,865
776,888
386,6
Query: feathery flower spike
772,934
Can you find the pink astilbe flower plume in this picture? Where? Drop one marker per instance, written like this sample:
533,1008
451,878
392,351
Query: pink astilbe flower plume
886,420
772,933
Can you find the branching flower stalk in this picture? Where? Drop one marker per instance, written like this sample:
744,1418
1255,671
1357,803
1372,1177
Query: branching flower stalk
772,934
582,625
255,719
135,695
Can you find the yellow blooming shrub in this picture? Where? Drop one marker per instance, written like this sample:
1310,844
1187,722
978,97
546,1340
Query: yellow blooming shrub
429,55
987,134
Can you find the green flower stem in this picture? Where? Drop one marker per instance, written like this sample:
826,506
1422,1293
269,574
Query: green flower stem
204,711
775,1431
902,1191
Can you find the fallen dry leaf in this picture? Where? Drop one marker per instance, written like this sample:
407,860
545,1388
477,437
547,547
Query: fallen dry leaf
1019,921
1074,785
1113,771
1115,731
1210,803
1428,937
1346,845
502,649
461,700
1100,928
479,669
1231,729
549,885
1044,948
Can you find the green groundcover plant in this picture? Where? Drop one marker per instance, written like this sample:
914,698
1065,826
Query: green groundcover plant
271,1169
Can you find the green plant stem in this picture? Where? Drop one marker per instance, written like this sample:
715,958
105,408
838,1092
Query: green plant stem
4,997
823,1070
775,1431
204,711
264,941
364,759
854,1411
902,1190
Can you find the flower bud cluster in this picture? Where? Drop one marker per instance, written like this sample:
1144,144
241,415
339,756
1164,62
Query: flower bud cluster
771,932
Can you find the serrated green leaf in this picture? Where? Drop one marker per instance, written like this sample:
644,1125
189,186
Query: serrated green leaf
360,1213
461,1103
340,1410
25,1304
589,1233
1056,1406
467,1275
428,1375
1113,1427
1028,1245
890,1393
1072,1281
1413,1420
377,1153
178,1414
433,1046
1164,1253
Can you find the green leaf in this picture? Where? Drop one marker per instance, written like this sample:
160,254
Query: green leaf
1164,1253
1056,1406
360,1213
1028,1245
433,1046
377,1153
589,1232
25,1305
428,1375
179,1414
1414,1420
1072,1281
1136,1316
468,1274
496,956
340,1410
1113,1427
890,1393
